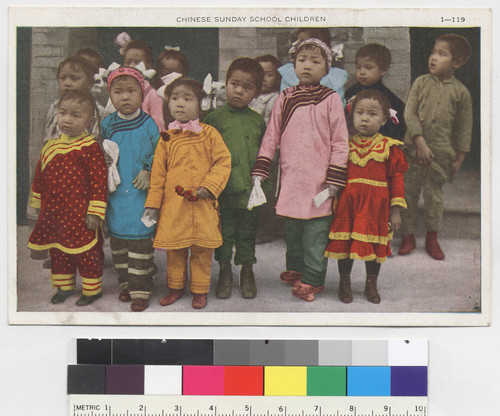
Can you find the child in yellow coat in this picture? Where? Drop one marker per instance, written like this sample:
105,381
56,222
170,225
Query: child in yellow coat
191,167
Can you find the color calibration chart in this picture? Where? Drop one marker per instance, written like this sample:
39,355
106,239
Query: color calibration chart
154,377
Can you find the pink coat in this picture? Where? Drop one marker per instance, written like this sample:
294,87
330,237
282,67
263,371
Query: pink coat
313,143
153,105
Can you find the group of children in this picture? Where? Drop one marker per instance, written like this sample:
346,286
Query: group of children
182,185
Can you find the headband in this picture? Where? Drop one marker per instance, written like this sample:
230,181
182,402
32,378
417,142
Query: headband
128,71
299,43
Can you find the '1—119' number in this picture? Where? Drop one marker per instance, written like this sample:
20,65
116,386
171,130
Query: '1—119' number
459,19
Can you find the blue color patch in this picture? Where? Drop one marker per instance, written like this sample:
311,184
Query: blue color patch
368,381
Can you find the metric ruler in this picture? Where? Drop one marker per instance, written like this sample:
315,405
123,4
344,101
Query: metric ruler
161,405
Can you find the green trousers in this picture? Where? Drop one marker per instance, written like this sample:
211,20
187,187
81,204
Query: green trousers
238,228
306,241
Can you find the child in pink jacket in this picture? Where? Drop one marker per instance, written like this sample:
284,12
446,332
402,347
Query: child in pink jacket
308,125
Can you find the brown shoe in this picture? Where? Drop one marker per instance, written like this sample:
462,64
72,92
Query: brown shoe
345,293
432,246
291,277
139,305
371,292
248,288
172,296
124,296
199,300
407,244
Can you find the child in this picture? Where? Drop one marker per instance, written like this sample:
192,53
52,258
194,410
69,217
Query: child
135,52
242,130
136,135
263,104
368,209
70,189
372,63
190,169
308,125
335,78
439,117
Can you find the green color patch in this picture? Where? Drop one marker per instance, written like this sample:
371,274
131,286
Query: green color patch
326,381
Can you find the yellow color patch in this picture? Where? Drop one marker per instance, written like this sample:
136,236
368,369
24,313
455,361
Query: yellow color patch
285,381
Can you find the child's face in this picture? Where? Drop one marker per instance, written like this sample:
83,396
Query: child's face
73,78
441,63
368,117
368,72
270,77
183,104
310,66
74,117
126,94
240,89
134,57
169,65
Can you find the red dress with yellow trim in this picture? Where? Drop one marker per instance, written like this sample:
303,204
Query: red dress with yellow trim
375,171
70,182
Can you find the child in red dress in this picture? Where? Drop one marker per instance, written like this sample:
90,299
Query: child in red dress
368,209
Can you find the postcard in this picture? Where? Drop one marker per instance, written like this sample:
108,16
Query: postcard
390,227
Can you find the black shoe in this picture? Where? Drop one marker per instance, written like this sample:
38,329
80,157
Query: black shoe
87,300
61,296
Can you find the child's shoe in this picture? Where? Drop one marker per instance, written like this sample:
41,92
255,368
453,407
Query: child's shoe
291,277
371,292
248,287
87,300
199,300
305,291
407,244
345,293
225,282
172,296
61,295
139,305
432,246
124,296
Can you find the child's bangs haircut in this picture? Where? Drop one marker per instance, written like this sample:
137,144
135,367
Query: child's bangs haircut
250,66
459,46
373,95
176,55
195,86
77,63
376,52
268,58
143,46
81,97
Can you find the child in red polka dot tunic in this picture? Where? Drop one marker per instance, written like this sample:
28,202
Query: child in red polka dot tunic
70,189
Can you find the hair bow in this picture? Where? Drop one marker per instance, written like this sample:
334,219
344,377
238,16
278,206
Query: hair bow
215,92
394,117
338,52
172,48
122,40
167,80
146,73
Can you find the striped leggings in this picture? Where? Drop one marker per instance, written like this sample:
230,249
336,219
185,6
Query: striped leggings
134,264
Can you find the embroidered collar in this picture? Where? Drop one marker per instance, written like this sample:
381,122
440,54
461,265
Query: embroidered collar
363,149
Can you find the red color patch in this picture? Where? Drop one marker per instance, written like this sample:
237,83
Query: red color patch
243,381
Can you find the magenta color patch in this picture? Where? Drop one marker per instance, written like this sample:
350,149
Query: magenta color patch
203,380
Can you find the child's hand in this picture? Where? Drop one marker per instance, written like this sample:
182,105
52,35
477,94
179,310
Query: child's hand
334,189
395,218
424,154
151,213
93,222
203,193
455,167
108,159
142,180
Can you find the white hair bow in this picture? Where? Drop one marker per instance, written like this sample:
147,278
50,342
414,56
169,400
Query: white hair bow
122,40
167,80
214,91
146,73
338,51
100,77
172,48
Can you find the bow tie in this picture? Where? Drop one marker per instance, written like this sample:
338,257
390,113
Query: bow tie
191,125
